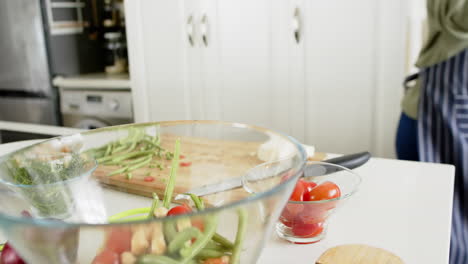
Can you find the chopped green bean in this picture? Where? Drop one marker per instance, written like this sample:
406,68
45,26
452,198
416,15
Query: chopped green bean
108,150
156,259
223,241
210,229
241,230
214,245
172,176
121,170
154,205
170,231
210,253
129,176
119,149
197,201
127,213
181,238
141,164
135,161
129,219
130,155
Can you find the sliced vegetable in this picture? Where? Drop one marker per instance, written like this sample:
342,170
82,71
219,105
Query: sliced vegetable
241,230
185,163
181,239
210,229
107,257
172,176
118,240
211,253
148,179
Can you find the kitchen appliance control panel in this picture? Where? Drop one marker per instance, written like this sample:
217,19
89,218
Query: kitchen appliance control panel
97,103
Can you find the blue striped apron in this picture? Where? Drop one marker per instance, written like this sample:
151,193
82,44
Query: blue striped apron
443,136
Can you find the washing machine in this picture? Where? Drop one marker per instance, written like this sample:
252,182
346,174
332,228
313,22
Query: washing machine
93,108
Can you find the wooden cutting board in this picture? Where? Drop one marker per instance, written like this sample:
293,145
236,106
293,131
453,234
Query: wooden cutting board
226,158
358,254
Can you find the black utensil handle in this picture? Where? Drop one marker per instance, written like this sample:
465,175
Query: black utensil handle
351,161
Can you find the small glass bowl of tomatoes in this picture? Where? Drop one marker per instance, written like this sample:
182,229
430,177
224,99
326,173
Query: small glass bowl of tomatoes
314,199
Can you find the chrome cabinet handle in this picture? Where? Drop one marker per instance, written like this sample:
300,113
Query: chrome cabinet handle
297,25
204,30
190,30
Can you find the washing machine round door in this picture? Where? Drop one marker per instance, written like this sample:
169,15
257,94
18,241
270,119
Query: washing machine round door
90,124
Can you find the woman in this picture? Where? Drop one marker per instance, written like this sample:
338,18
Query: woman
434,123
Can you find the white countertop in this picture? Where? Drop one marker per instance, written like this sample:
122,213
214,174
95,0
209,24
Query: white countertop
38,129
94,81
403,207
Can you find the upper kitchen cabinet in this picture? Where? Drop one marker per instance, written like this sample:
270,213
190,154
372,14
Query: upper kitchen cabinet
340,74
305,68
158,55
210,59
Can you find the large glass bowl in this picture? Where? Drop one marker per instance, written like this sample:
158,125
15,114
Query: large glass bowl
233,227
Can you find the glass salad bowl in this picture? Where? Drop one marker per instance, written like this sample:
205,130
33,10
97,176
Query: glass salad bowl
167,192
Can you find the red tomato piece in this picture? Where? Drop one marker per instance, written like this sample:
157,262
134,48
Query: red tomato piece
307,230
180,209
9,256
107,257
185,163
148,179
181,157
215,261
198,223
119,240
324,191
309,185
298,192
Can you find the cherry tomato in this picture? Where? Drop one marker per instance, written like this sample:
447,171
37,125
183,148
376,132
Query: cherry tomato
324,191
9,256
215,261
309,185
180,209
107,257
119,240
148,179
286,218
298,192
185,163
307,230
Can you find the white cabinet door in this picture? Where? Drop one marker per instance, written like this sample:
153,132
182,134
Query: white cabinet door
164,59
339,38
245,55
211,90
287,62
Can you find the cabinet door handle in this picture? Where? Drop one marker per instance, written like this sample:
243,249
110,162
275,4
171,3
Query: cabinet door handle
190,30
204,29
297,25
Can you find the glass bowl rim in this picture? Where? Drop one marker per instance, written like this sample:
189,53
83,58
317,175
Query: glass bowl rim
53,223
349,194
